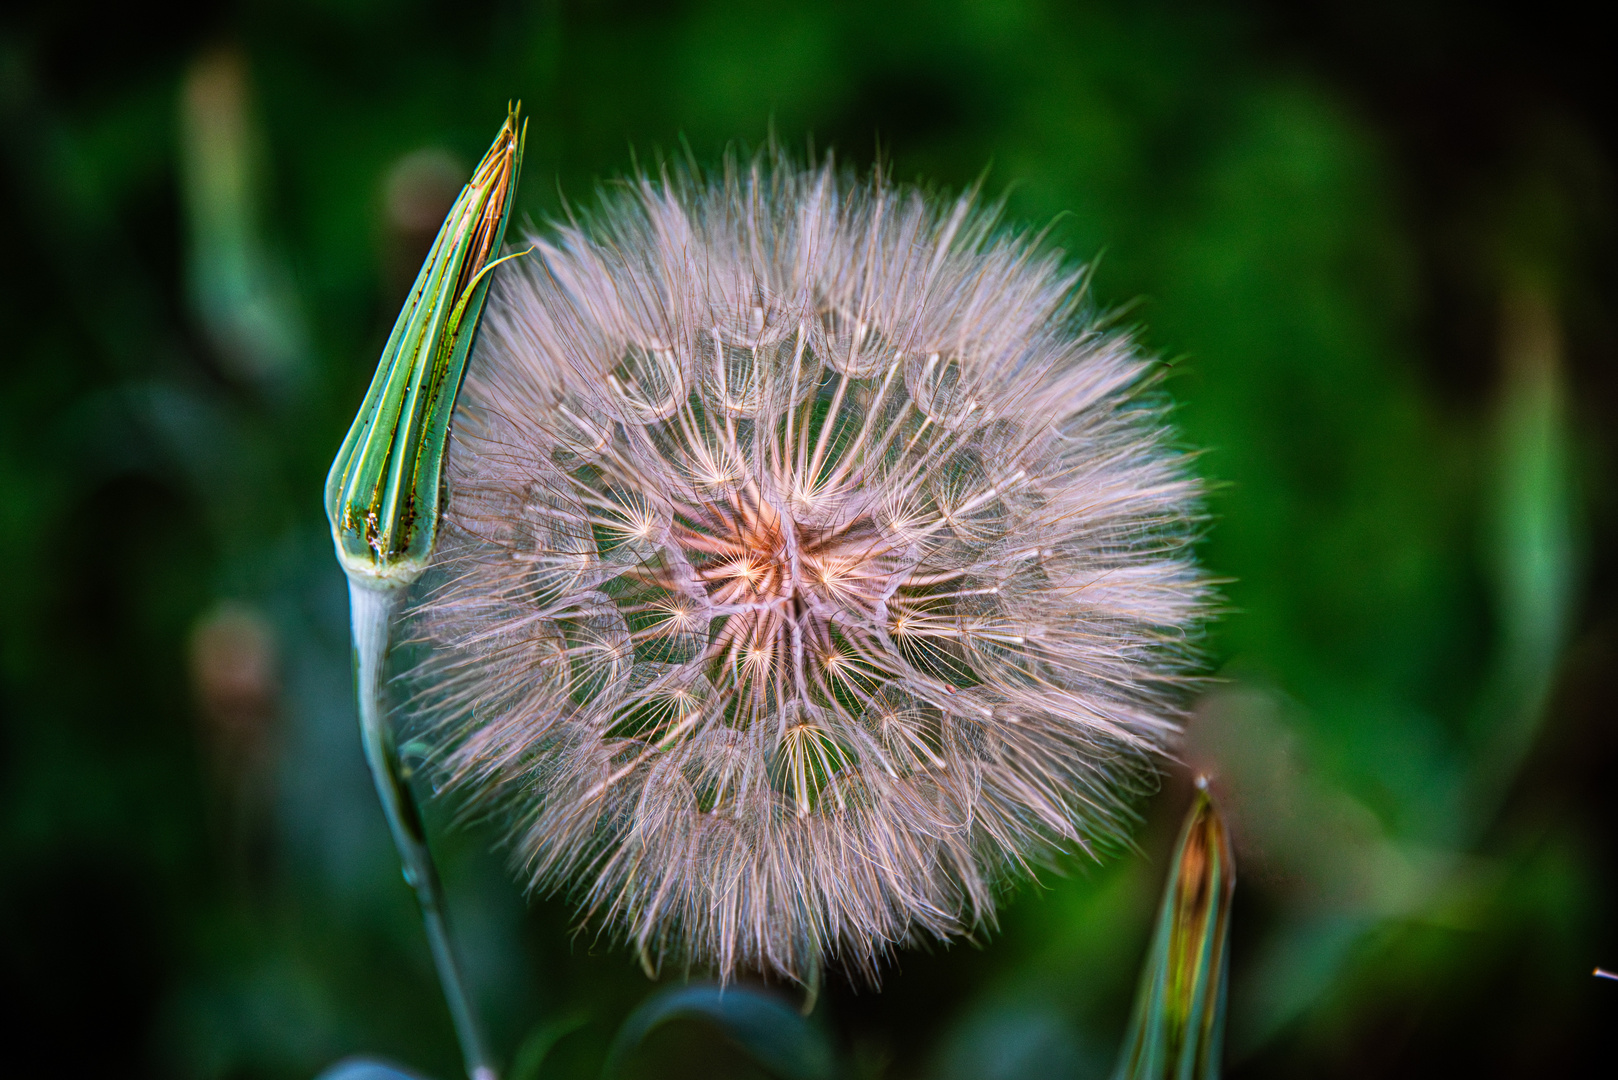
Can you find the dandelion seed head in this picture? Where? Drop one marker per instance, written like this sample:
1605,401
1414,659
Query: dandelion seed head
812,568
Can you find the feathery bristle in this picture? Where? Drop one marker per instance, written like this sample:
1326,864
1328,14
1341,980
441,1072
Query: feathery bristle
811,566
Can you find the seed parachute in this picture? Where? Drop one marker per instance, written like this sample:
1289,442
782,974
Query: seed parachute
813,565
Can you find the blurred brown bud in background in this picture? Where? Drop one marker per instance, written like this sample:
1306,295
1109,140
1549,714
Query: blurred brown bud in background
235,678
417,194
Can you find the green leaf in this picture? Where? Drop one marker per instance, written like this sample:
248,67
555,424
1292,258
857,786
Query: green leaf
544,1036
1178,1027
384,488
768,1029
361,1068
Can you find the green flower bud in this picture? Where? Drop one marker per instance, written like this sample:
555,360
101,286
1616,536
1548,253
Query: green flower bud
1178,1028
384,489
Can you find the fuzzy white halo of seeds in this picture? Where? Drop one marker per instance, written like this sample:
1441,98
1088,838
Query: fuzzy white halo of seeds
812,567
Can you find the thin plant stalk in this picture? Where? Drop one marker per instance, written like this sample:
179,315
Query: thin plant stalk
372,612
384,496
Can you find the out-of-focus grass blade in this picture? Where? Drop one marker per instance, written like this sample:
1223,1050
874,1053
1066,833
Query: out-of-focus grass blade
531,1054
382,494
771,1031
242,293
1534,542
1178,1026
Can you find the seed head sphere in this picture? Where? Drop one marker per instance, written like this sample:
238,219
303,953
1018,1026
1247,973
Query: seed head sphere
812,568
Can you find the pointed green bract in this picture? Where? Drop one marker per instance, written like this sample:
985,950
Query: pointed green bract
384,488
1178,1027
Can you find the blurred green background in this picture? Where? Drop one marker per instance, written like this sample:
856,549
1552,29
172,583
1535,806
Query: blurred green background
1373,240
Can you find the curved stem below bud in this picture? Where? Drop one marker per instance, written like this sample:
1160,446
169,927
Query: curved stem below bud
372,610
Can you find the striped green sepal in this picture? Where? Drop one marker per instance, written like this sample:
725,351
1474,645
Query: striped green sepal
1177,1031
384,488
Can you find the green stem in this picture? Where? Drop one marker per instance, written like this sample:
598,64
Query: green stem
372,609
